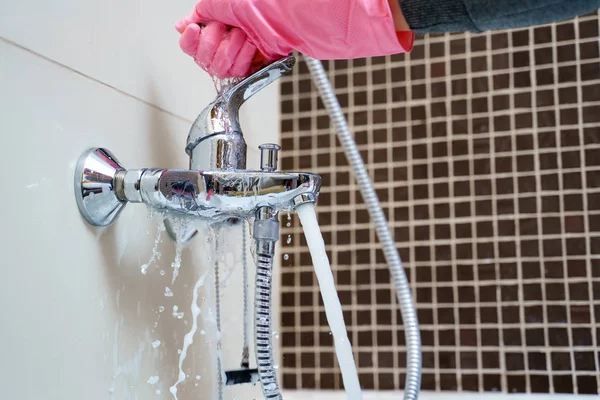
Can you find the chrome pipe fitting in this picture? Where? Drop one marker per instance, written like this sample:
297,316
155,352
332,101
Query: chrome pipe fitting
266,225
216,195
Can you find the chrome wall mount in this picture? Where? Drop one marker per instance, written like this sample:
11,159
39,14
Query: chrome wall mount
217,186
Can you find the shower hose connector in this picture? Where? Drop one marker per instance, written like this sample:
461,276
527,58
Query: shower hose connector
266,234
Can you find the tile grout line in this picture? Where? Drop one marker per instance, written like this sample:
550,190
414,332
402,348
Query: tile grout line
92,79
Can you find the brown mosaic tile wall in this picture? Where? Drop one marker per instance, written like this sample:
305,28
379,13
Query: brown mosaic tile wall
485,152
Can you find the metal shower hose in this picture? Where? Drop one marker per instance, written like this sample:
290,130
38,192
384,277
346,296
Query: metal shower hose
409,314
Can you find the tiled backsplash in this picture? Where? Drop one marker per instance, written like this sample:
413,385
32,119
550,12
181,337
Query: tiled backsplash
485,152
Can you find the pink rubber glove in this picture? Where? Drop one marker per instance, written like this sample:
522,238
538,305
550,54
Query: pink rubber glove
221,52
322,29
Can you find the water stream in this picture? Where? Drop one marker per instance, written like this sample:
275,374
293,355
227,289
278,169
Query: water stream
189,337
333,308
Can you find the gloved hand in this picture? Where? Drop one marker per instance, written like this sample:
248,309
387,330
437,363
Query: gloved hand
322,29
221,52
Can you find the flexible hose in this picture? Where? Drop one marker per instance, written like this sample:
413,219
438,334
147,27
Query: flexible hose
409,313
262,320
245,352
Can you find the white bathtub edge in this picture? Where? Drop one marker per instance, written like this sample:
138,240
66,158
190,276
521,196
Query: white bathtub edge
336,395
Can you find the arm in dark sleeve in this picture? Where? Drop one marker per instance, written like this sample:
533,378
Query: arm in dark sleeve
436,16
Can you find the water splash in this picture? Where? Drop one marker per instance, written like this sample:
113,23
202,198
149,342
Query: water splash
189,337
153,380
155,344
155,253
177,262
176,313
222,85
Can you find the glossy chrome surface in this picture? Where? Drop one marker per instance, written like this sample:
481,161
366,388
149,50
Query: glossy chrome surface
96,175
304,198
269,153
215,140
220,194
266,226
216,187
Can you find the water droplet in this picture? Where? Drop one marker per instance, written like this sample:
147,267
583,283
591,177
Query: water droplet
176,314
152,380
179,351
157,391
161,309
144,269
330,333
276,334
289,239
203,332
286,257
156,343
198,377
168,292
162,272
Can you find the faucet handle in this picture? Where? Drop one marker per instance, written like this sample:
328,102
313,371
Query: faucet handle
215,140
238,94
268,156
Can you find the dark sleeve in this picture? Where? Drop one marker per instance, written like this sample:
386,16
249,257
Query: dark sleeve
436,16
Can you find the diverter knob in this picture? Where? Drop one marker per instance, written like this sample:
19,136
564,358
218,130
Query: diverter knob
268,156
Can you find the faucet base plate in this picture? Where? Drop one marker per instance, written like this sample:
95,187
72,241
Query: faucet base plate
94,184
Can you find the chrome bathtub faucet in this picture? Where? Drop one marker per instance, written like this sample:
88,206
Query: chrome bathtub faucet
216,187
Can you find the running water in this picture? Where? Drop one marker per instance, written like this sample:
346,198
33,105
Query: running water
333,308
155,253
177,262
189,337
183,230
222,85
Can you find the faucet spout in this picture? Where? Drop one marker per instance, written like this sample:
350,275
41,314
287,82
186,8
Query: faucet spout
215,140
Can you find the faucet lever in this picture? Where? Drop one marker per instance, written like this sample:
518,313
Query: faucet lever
238,94
215,140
